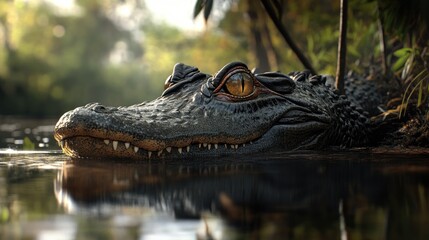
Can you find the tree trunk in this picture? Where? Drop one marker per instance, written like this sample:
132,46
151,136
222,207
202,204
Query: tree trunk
342,48
256,38
6,35
382,42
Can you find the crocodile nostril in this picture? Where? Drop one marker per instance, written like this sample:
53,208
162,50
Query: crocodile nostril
100,109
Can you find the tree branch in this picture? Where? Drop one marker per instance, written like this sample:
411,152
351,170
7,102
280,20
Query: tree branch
286,36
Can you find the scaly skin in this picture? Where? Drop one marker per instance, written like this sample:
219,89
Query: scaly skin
201,115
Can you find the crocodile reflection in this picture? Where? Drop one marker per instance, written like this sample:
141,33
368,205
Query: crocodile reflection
251,194
246,194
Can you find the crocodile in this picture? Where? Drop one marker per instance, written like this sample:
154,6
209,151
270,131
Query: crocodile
235,111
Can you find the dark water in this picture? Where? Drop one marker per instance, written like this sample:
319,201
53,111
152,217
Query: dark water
348,195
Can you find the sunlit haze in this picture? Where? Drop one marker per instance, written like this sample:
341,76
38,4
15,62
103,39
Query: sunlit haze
176,13
172,12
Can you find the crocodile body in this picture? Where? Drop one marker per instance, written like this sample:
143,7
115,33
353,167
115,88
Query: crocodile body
232,112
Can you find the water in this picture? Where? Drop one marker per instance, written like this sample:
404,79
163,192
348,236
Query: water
309,195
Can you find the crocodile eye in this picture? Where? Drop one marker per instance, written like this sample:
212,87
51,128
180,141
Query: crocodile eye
235,82
240,84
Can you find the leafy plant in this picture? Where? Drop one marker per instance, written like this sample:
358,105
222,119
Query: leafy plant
205,6
412,66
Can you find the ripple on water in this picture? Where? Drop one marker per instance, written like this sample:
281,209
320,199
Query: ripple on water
32,159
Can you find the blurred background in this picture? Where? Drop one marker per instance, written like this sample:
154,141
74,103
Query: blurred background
59,54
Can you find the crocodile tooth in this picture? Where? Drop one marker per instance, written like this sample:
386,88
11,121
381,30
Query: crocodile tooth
115,145
236,146
136,149
180,150
168,149
215,145
188,148
199,145
149,154
107,141
226,146
244,144
209,146
204,144
232,146
160,152
127,145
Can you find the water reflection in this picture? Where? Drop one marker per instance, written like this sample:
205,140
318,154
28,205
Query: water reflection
293,197
25,134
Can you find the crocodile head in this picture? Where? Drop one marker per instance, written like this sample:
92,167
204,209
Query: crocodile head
234,111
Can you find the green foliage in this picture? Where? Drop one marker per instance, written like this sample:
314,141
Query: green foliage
28,144
4,214
316,32
57,64
167,46
420,82
53,62
411,66
405,57
405,17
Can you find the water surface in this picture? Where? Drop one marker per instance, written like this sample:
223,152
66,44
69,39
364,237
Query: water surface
307,195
